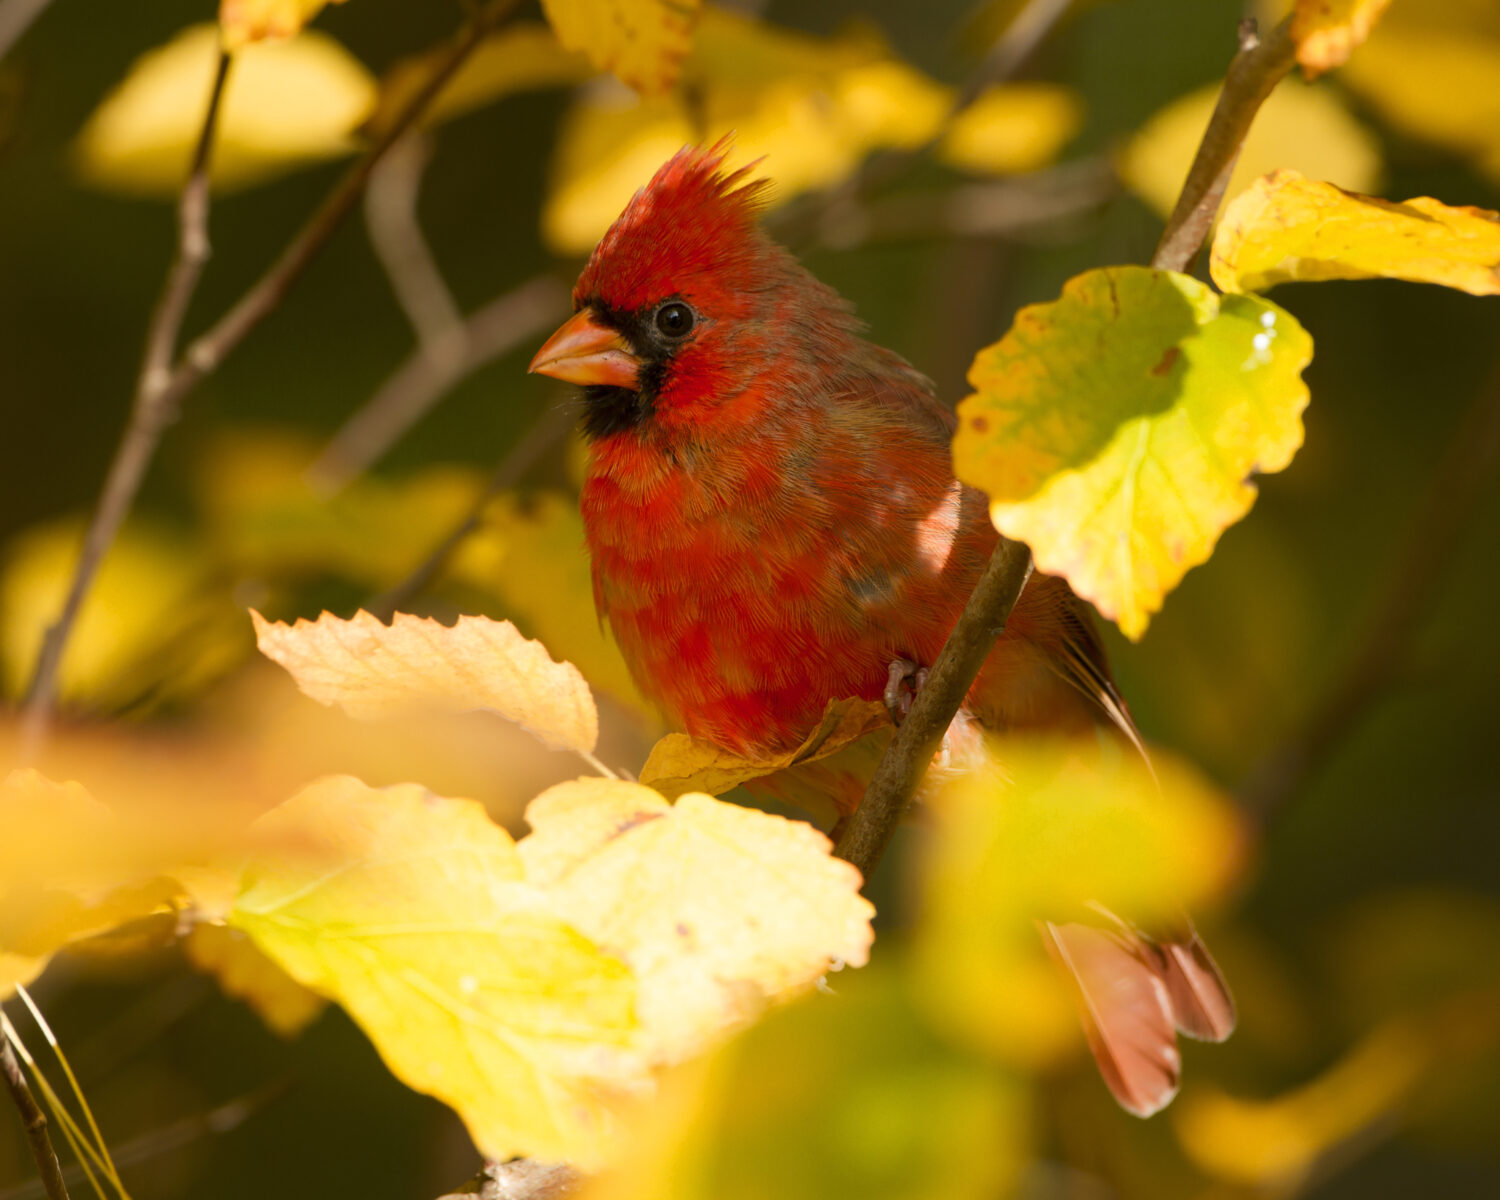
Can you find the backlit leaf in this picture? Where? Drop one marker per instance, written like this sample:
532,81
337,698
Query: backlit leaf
1115,430
1013,128
245,21
1327,31
641,41
1287,228
716,907
285,104
371,670
419,923
243,971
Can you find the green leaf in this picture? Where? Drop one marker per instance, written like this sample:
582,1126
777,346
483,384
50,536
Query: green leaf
1115,429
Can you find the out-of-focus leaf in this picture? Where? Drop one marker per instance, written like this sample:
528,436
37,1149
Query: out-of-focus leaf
1305,128
812,107
285,104
679,764
642,41
1053,826
521,57
1115,429
1013,128
419,922
835,1096
246,21
1327,31
245,973
1287,228
153,626
716,907
371,670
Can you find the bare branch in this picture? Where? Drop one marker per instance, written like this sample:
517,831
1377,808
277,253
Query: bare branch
35,1122
151,411
16,17
1464,476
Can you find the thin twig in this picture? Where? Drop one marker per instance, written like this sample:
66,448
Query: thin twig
35,1122
425,377
16,17
544,432
205,354
869,830
1465,474
1253,75
151,411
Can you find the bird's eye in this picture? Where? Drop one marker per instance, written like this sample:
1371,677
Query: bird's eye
675,320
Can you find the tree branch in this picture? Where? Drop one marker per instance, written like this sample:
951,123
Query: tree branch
16,17
34,1121
151,411
521,1179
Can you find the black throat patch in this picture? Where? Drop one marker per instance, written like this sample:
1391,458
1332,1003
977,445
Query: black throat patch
608,410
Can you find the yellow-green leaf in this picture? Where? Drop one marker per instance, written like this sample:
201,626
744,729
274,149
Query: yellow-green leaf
419,922
1116,430
371,670
245,21
1013,128
717,908
1287,228
285,104
641,41
1327,31
1307,128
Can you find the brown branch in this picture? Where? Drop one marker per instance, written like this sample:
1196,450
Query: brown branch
1465,474
35,1122
1253,75
869,830
169,388
16,17
150,413
521,1179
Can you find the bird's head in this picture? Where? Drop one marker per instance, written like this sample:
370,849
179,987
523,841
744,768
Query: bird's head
678,300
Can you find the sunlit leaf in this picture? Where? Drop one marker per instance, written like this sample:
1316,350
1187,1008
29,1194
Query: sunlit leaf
716,907
1115,430
1287,228
244,972
419,923
1301,127
1327,31
641,41
835,1096
245,21
680,764
371,670
285,104
1013,128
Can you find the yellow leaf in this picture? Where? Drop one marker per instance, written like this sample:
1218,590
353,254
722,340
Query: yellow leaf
715,907
678,764
1115,429
371,670
244,972
245,21
641,41
285,104
1013,128
1327,31
1287,228
1302,127
419,923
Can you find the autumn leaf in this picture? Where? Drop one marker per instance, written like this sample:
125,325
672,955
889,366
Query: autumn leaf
716,907
419,922
1013,128
1287,228
679,764
371,670
1327,31
1115,429
245,21
642,41
285,104
243,971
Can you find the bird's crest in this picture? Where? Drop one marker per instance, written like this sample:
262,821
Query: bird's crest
692,221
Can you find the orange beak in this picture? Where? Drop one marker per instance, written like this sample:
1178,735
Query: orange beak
584,351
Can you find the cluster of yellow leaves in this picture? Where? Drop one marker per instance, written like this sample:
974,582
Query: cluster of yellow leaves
246,21
641,41
1327,31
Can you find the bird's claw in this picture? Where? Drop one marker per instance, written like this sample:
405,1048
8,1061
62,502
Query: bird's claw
901,687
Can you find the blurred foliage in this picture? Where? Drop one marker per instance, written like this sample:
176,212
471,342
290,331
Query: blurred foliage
1360,927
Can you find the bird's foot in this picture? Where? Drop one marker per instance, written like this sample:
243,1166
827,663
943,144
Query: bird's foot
901,687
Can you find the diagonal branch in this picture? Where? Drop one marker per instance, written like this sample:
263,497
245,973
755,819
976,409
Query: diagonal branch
34,1121
16,17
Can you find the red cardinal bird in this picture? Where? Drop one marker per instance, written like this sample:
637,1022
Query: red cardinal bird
774,523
